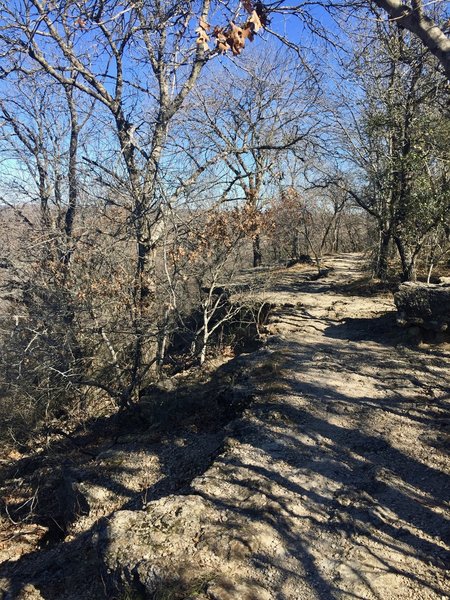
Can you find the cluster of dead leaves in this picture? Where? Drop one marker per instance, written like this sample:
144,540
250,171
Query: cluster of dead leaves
250,220
216,234
234,36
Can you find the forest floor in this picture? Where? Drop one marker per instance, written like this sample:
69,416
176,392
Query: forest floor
330,480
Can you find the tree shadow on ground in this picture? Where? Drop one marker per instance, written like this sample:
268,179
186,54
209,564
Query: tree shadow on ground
367,287
393,505
382,329
356,487
183,429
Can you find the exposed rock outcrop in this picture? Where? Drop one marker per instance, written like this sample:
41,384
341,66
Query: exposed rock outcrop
424,305
181,544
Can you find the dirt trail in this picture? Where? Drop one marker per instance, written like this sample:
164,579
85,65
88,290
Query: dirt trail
358,448
333,484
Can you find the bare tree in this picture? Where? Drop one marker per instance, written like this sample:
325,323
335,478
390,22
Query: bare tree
429,23
391,132
124,39
266,111
205,257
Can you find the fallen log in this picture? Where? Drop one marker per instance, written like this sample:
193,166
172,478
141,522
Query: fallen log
424,305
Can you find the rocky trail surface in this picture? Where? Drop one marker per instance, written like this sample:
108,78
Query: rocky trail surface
332,483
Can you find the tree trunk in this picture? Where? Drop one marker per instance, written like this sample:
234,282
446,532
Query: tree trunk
276,254
381,268
146,221
69,218
257,255
336,239
205,336
408,261
295,244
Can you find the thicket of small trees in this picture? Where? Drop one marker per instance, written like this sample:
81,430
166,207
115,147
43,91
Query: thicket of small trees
395,135
142,169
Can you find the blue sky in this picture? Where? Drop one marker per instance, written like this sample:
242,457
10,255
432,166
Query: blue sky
313,50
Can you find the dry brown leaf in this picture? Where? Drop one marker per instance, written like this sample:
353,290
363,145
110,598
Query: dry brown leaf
255,21
223,47
247,32
14,455
248,5
236,39
80,22
221,39
217,31
202,36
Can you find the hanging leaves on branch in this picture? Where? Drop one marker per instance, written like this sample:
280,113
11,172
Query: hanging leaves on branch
254,23
236,39
233,36
202,34
80,23
221,39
